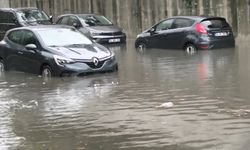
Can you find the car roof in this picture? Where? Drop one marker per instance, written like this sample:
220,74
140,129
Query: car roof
198,18
43,27
18,9
78,15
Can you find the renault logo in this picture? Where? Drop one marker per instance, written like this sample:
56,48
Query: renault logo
95,61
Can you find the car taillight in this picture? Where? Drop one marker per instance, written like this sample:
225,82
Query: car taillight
200,29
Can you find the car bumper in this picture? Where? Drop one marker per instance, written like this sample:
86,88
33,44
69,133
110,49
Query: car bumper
104,39
217,43
81,68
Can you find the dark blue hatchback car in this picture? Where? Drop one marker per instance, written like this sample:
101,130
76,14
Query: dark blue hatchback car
189,33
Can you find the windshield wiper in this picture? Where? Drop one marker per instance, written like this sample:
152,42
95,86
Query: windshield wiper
53,45
75,45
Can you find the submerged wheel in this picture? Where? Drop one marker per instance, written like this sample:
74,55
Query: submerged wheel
141,46
46,72
190,48
1,66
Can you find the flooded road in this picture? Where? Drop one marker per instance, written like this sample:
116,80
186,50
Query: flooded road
209,93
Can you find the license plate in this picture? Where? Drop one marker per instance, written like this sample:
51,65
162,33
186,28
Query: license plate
221,34
114,40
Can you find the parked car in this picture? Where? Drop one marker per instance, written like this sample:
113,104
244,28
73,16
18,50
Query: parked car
19,17
53,51
189,33
96,27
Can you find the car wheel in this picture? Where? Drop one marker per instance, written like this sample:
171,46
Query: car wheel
46,72
2,68
116,68
190,48
141,45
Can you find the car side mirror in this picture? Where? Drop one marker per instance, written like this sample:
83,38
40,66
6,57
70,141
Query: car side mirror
51,19
152,30
76,25
31,47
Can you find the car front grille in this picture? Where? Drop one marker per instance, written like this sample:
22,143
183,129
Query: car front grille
92,65
111,33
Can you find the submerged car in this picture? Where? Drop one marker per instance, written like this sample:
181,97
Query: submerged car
54,51
96,27
20,17
189,33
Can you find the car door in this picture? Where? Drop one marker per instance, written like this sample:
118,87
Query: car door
178,32
30,59
12,49
159,37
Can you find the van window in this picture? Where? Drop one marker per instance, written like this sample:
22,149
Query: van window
7,17
215,23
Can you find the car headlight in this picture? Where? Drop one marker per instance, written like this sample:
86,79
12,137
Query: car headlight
94,33
112,55
138,36
61,61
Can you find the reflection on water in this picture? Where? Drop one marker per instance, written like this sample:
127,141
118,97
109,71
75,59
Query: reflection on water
137,15
208,90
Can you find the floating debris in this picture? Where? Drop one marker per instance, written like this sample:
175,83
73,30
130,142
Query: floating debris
166,105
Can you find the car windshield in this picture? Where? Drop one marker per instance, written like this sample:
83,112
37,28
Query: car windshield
32,15
63,37
93,20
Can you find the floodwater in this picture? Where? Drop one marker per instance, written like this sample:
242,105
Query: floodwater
158,100
207,93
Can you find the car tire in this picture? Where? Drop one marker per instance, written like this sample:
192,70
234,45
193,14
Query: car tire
141,46
190,48
2,66
46,72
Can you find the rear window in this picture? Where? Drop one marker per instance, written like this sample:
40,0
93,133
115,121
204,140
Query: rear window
215,23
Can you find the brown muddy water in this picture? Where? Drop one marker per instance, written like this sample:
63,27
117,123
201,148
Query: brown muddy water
208,92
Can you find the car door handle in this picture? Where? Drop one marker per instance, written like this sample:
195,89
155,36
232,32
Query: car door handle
20,52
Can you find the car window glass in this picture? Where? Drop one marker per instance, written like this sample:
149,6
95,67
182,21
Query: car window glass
29,38
15,36
94,20
181,23
73,20
215,23
7,17
32,15
64,20
164,25
1,16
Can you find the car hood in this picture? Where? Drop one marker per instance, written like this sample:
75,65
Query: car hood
80,52
38,22
104,29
